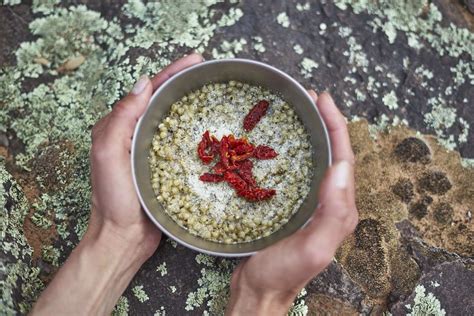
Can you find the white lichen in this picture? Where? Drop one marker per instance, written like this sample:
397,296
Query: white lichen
390,100
307,66
283,20
140,293
425,304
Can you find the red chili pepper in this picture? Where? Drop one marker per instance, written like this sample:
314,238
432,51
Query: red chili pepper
210,177
256,194
247,176
235,181
219,168
234,165
203,146
255,114
264,152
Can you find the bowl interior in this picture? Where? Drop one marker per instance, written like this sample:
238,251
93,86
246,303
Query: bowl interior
247,71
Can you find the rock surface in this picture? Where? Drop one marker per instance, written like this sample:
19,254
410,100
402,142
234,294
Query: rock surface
384,61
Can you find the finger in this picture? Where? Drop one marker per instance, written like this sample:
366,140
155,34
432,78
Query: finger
337,128
175,67
126,112
336,216
313,95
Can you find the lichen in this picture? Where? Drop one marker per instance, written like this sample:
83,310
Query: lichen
213,284
298,49
307,66
425,304
283,20
162,269
140,293
390,100
229,49
303,6
50,255
257,43
122,307
419,20
19,282
299,307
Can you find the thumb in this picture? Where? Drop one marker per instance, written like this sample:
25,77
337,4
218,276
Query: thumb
336,215
127,111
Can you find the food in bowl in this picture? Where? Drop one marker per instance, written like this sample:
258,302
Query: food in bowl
231,162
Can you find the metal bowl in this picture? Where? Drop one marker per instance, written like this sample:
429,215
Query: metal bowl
195,77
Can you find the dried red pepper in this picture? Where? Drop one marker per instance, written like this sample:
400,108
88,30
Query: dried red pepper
210,177
207,148
256,194
235,181
264,152
255,115
235,166
245,172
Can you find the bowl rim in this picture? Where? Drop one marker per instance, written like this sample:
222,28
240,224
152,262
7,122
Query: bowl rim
152,99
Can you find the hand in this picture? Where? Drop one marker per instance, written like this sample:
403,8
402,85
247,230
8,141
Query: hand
115,204
268,282
119,237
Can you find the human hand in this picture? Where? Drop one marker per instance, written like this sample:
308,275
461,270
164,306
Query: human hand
115,204
119,237
268,282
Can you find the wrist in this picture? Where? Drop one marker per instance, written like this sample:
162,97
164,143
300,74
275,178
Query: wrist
137,241
248,301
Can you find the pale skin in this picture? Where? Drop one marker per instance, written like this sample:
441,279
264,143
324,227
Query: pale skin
120,238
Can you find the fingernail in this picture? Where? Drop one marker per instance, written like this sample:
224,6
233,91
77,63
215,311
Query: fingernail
342,171
140,85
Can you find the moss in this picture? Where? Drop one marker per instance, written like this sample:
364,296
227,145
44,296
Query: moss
414,150
435,182
443,213
404,190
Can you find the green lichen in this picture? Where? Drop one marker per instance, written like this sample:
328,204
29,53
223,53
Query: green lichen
307,66
160,312
19,279
162,269
467,162
229,49
419,20
50,255
283,20
122,307
213,285
257,43
299,307
390,100
298,49
140,293
303,6
425,304
440,119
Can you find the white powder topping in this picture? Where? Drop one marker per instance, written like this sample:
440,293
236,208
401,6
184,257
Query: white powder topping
222,114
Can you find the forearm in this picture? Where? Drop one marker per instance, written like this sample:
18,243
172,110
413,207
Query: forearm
94,276
247,302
